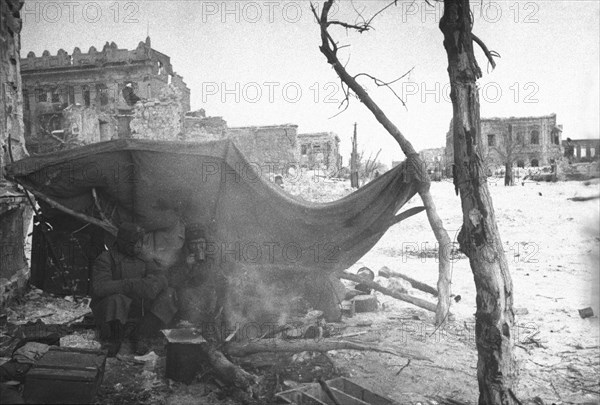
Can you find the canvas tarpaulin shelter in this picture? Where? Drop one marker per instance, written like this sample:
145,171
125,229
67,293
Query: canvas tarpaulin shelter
246,217
256,232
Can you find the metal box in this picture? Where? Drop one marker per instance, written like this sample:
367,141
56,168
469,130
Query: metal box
184,355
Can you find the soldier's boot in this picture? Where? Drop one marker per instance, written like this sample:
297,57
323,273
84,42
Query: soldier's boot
115,338
148,328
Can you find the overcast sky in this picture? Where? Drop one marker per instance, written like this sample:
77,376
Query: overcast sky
258,62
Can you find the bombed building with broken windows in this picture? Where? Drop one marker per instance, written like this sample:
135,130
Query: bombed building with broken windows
320,150
78,98
81,98
434,161
526,141
584,150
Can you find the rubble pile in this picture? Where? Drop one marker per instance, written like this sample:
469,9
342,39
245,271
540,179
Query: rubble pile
313,186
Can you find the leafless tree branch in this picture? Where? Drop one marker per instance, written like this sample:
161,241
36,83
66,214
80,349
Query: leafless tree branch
490,55
381,83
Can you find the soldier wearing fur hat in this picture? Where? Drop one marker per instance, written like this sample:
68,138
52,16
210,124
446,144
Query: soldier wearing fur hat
193,277
129,293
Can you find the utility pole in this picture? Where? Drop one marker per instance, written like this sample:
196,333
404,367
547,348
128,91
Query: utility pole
354,162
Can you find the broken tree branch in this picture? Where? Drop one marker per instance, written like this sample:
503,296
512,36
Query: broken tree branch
406,214
97,204
329,49
86,218
400,296
488,54
381,83
387,273
305,345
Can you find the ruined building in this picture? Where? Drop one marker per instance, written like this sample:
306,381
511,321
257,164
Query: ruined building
270,148
15,212
529,141
434,160
320,150
78,97
584,150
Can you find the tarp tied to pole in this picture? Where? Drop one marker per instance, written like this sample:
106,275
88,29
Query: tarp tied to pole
246,218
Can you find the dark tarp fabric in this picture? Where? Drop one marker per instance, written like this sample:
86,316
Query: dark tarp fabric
248,220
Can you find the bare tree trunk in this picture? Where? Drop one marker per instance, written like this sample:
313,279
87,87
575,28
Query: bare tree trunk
508,175
479,238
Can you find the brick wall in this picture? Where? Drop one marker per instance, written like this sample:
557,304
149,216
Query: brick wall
14,212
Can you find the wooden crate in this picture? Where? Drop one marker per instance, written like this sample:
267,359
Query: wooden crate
65,375
347,392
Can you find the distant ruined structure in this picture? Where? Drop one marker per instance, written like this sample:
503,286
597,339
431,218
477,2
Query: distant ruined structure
270,148
435,162
584,150
78,98
320,150
532,141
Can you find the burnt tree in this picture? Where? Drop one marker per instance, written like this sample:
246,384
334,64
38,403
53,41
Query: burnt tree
479,238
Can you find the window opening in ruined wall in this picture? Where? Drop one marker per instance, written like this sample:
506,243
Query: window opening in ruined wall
55,95
535,138
70,95
86,95
520,138
41,95
102,93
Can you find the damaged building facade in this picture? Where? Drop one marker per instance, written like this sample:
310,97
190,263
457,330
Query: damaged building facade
77,98
269,148
532,141
273,147
584,150
320,150
15,213
434,160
